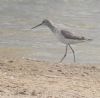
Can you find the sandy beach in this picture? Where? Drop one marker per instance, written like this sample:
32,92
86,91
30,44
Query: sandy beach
25,78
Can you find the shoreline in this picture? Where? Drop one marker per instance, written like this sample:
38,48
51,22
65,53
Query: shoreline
24,78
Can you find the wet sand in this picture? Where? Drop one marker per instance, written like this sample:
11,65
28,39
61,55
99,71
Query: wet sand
25,78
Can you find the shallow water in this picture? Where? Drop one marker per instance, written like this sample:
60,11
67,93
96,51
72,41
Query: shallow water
80,16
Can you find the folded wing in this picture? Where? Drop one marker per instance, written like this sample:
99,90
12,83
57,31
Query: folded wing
69,35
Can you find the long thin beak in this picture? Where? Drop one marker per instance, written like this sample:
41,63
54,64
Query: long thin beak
37,26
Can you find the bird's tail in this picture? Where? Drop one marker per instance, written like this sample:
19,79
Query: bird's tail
85,39
89,39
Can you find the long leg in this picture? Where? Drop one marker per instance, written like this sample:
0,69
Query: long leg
64,54
73,52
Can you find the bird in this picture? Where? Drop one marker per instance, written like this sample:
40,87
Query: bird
66,37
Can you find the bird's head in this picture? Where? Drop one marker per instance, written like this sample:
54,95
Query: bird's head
44,22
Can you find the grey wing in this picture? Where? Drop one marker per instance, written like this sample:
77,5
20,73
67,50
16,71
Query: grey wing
69,35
